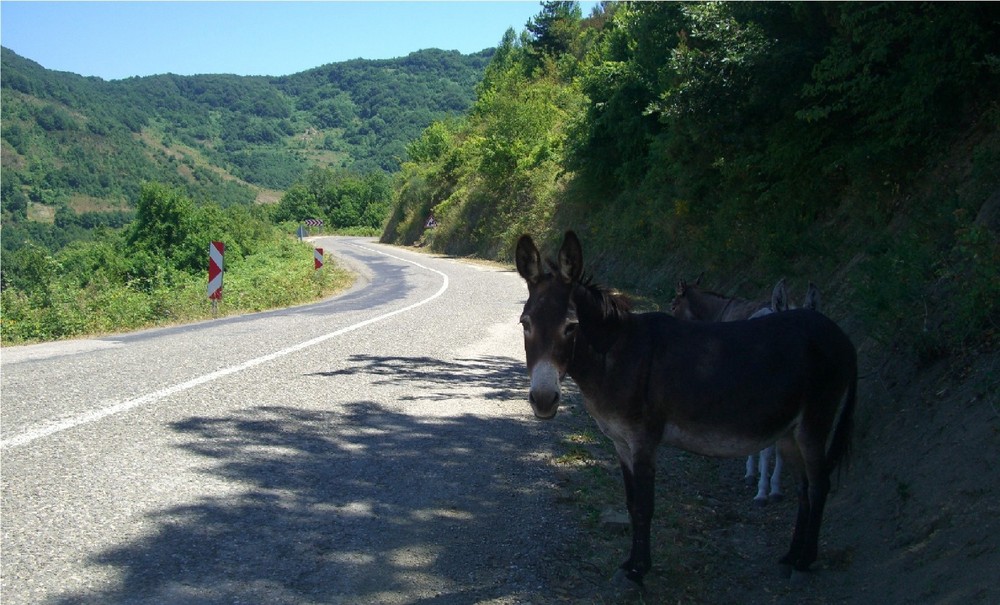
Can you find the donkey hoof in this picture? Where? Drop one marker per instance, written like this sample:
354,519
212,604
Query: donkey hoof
623,581
785,570
798,578
776,497
794,569
760,502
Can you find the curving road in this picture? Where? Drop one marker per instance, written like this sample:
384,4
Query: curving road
372,448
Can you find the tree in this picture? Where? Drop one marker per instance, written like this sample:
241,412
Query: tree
163,221
554,30
297,204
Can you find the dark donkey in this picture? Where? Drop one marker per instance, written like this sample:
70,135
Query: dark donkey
693,302
718,389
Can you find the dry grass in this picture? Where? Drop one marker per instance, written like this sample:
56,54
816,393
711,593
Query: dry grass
40,213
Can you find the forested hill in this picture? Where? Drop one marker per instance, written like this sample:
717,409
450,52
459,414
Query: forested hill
90,143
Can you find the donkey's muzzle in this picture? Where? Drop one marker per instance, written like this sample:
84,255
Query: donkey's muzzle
544,392
544,406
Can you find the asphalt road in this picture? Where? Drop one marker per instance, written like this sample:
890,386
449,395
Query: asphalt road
376,447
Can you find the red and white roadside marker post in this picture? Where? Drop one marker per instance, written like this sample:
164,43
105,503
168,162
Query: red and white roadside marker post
317,258
216,250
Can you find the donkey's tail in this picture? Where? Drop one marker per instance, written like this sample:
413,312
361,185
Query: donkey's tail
840,445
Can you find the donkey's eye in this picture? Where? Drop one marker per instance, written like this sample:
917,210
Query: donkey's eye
526,324
570,328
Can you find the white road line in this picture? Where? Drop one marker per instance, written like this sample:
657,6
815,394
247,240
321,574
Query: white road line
52,428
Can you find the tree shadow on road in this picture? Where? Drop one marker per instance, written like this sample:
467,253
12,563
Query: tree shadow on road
358,504
502,378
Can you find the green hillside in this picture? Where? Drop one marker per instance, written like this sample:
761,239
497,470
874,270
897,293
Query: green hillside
86,143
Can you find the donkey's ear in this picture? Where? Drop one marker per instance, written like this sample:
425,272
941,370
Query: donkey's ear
812,297
779,297
571,258
529,261
681,288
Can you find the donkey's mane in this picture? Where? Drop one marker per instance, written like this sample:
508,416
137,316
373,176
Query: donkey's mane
613,305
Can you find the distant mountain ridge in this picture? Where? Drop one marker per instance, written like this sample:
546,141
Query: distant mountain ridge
89,143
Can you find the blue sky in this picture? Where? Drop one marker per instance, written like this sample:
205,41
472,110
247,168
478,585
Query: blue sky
115,40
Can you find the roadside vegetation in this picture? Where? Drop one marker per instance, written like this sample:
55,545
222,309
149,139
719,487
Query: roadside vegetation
854,145
154,271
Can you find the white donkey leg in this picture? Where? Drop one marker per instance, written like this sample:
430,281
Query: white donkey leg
751,469
776,476
762,483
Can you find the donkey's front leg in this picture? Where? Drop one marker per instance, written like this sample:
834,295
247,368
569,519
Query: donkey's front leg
639,479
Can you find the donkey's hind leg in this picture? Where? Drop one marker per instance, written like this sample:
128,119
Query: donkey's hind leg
789,447
751,473
762,484
776,494
819,489
814,487
794,554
